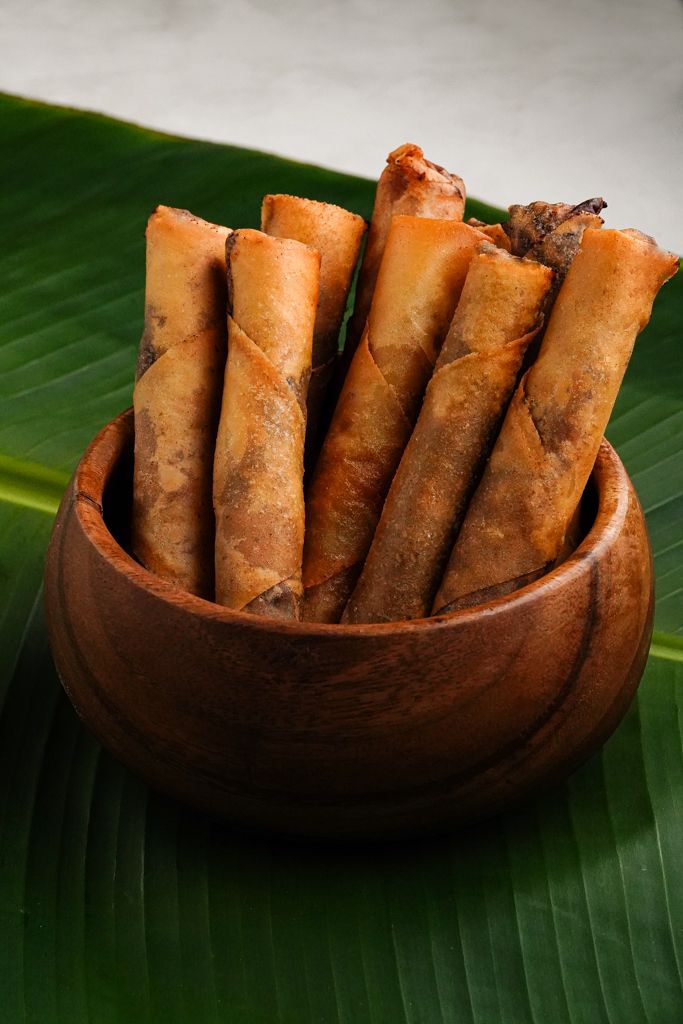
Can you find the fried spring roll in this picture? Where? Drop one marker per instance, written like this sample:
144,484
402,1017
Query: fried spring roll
177,398
556,248
497,316
337,235
411,185
515,526
419,284
258,470
528,225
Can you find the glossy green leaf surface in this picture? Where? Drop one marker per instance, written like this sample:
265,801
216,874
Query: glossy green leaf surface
117,905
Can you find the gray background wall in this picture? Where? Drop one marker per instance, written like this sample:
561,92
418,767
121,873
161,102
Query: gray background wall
525,99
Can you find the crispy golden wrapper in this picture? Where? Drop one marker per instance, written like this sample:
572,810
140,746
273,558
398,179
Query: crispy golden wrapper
258,469
495,233
419,284
497,316
515,527
177,398
337,235
411,185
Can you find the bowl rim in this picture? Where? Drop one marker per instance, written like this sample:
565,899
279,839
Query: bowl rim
85,496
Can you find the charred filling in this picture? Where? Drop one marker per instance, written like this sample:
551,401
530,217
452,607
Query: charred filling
595,206
529,225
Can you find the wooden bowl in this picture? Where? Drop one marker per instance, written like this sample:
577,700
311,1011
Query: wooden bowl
345,731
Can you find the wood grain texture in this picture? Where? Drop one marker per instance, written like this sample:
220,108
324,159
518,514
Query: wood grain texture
345,731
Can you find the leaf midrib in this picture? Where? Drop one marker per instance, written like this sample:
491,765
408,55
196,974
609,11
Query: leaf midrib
31,485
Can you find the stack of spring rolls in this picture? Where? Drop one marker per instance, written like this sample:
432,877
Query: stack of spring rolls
438,462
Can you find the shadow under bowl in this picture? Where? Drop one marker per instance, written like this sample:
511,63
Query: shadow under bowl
371,731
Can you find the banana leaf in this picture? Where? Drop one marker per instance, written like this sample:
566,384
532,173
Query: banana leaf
117,905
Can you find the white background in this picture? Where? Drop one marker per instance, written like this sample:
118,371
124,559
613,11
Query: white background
526,99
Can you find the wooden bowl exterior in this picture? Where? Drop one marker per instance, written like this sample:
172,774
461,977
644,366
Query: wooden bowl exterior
347,731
